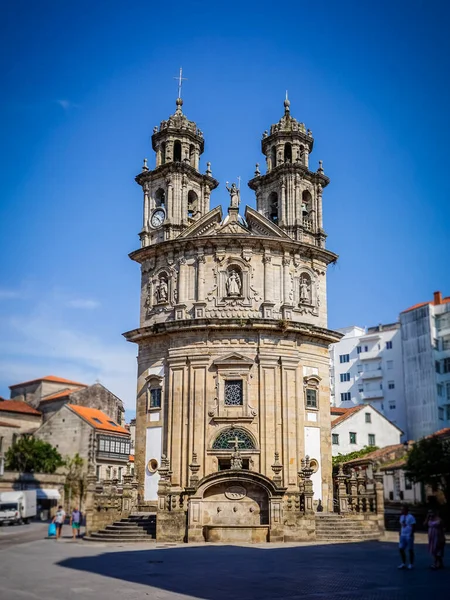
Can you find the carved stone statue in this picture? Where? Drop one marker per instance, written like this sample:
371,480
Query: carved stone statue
162,291
305,289
234,284
235,197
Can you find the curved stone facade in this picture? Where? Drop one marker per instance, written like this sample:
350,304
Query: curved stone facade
233,365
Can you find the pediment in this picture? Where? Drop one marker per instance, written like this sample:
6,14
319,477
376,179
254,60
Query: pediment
259,225
234,358
232,228
206,225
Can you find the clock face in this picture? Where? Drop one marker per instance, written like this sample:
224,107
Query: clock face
157,218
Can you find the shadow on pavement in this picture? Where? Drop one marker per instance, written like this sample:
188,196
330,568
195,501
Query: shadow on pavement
213,572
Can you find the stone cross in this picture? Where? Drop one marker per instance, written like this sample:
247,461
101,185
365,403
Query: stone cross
180,79
236,441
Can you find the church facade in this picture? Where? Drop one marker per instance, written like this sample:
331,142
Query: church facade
233,434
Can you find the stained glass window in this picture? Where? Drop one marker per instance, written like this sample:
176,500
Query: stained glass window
245,441
233,393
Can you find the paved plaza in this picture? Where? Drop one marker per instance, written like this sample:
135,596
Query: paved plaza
66,570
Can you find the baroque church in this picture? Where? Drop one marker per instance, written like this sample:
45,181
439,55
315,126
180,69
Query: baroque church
233,403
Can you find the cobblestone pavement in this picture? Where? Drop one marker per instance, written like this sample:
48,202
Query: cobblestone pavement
65,570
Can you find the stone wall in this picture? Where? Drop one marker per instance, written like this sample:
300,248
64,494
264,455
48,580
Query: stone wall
108,501
94,396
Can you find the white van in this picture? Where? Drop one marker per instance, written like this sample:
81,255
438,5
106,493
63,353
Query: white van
17,507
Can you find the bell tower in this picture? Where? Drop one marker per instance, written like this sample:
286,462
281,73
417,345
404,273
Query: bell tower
175,192
290,194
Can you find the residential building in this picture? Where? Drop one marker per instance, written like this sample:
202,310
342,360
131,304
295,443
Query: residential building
353,429
366,367
48,394
91,434
16,418
425,330
392,461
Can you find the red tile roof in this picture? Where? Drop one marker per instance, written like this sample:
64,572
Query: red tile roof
433,302
348,413
48,378
17,406
97,419
58,395
380,454
335,410
4,424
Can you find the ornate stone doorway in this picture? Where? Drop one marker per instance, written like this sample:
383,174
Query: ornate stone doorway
235,506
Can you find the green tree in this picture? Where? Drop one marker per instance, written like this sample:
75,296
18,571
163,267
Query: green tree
429,463
343,458
30,455
76,481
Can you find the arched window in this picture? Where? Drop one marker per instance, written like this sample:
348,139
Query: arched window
273,207
163,153
306,209
273,156
226,440
192,204
160,198
287,153
177,151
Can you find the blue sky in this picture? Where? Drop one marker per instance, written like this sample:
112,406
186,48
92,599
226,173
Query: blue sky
83,85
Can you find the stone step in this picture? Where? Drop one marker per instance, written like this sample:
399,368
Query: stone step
126,534
119,540
131,529
112,535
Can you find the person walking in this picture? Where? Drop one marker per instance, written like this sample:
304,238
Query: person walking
59,521
75,522
436,539
407,526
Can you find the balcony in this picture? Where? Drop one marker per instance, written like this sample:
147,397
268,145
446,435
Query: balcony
371,355
374,374
374,395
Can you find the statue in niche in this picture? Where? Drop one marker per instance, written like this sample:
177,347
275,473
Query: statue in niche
234,284
234,195
305,290
162,291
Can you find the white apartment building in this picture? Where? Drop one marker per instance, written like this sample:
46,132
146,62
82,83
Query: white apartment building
366,367
425,332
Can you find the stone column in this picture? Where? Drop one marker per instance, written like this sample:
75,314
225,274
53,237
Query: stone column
146,207
200,304
180,306
379,492
306,157
268,304
169,201
283,215
319,207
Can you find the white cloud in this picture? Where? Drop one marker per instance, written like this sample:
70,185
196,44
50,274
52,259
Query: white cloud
44,341
66,104
10,294
87,304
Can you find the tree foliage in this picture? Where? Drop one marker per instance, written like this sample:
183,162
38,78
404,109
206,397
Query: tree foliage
76,481
343,458
30,455
429,463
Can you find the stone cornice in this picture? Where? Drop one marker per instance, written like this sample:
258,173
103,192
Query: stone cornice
275,243
288,169
176,167
306,331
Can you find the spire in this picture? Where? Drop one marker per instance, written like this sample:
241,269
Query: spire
287,104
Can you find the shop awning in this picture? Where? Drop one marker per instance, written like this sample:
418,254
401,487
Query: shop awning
47,494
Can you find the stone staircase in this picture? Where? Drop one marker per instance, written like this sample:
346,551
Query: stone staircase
331,527
136,528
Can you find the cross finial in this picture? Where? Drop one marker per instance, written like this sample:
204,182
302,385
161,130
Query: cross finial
180,80
236,441
287,95
239,182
